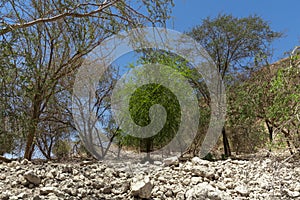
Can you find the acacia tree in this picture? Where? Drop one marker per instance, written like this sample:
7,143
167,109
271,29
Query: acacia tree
49,41
234,43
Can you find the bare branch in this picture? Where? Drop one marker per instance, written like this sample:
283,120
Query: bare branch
101,7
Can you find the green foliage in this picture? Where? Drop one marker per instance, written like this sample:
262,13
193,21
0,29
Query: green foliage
233,42
271,95
39,58
209,157
149,95
285,108
286,92
6,142
62,149
237,46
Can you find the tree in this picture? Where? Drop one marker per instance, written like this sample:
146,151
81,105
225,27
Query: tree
175,69
47,41
267,102
283,114
140,104
234,44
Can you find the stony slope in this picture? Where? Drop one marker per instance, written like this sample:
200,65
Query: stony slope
196,179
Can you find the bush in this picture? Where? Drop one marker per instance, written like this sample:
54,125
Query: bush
61,149
6,142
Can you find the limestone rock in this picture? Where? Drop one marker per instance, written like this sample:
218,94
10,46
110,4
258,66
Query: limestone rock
171,161
242,190
194,179
32,178
142,188
47,190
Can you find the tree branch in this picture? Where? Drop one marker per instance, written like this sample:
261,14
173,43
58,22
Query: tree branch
101,7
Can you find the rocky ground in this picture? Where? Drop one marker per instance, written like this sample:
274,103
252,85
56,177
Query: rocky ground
265,178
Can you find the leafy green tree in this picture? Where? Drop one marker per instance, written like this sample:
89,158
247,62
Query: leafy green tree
148,95
234,44
140,104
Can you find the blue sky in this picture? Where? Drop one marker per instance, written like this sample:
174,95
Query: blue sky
282,15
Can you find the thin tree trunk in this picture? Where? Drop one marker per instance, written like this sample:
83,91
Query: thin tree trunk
148,142
287,137
119,150
227,151
270,129
46,153
148,148
30,145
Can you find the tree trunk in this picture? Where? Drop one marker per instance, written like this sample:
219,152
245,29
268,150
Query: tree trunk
33,129
287,137
270,129
119,150
30,144
46,152
147,146
227,151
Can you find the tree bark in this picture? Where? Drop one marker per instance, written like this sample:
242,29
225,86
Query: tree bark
227,151
30,145
147,146
270,129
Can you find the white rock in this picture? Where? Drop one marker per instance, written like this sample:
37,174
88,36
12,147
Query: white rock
32,178
199,161
221,185
22,195
242,190
13,198
190,194
47,190
264,181
202,191
158,163
195,180
13,164
293,194
52,197
142,188
186,181
171,161
180,195
24,162
49,175
297,187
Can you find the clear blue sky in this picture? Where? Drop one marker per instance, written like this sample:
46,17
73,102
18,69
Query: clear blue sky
283,15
